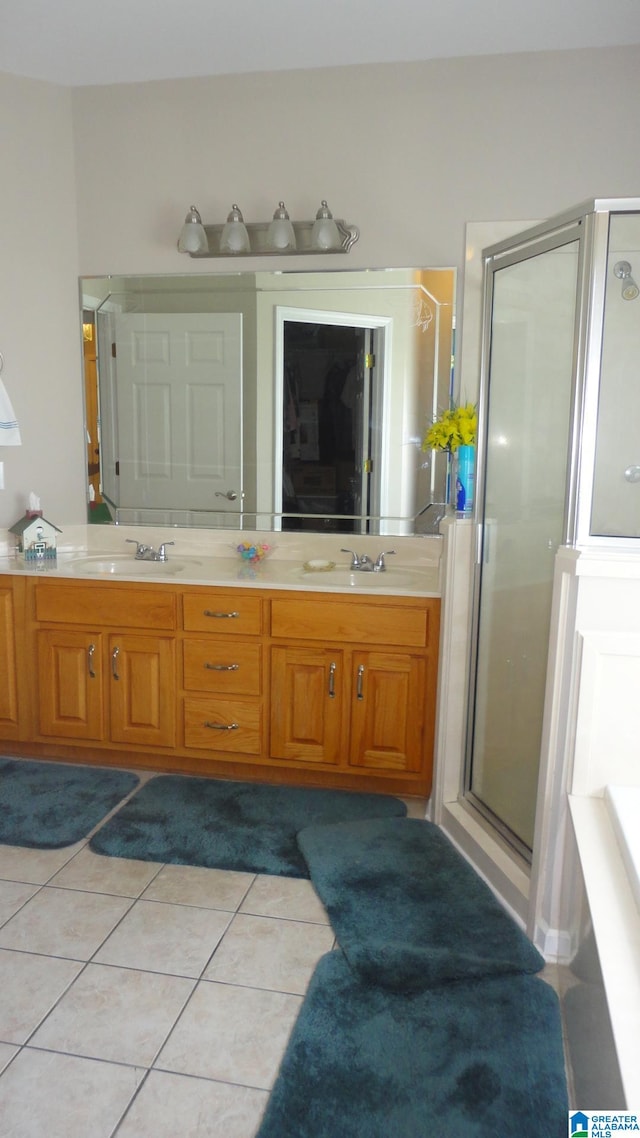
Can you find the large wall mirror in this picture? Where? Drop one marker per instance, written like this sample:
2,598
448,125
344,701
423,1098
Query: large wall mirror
269,400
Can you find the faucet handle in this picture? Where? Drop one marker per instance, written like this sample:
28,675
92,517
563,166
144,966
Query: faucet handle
140,547
355,560
380,566
162,550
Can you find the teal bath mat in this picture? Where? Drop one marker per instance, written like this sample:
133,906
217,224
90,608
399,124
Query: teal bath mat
49,805
408,911
229,825
467,1060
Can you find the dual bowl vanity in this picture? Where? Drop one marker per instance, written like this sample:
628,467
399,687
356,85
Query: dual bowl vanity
205,664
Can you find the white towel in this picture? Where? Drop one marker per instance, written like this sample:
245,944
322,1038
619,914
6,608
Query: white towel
9,429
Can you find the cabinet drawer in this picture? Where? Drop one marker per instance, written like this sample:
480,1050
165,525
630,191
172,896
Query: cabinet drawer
105,605
232,666
223,613
368,623
232,725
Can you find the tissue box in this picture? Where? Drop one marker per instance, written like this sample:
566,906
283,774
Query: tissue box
35,538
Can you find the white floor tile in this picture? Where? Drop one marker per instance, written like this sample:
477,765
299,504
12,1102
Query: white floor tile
61,922
18,863
265,952
13,895
236,1035
177,939
7,1052
44,1095
194,885
176,1106
30,986
289,897
119,876
116,1014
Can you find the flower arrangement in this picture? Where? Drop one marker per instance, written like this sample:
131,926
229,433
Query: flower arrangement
456,427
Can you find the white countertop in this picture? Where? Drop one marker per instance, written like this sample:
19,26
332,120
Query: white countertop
102,554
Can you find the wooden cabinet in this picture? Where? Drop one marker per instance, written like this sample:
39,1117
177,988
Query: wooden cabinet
301,687
9,705
142,690
369,710
70,684
223,705
100,684
308,723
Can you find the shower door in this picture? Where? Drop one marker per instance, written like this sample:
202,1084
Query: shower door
526,409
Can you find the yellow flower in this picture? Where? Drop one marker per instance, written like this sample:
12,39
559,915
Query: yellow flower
456,427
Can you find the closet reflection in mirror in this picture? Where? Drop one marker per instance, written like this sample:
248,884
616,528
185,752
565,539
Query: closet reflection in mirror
268,400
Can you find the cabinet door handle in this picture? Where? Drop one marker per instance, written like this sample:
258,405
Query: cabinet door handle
222,726
221,615
360,684
114,663
90,654
332,681
221,667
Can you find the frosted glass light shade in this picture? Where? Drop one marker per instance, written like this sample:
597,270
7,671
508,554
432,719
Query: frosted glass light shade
193,238
280,235
325,233
235,238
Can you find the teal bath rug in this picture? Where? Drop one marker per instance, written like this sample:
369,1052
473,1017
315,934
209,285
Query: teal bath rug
479,1060
408,911
229,825
49,805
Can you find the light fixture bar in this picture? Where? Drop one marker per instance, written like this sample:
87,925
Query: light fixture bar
258,238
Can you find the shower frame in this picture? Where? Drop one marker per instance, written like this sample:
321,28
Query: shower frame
588,224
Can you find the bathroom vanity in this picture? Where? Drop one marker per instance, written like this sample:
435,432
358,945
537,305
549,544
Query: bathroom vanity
272,676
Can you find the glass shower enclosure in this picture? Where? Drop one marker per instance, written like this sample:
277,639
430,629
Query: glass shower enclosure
558,464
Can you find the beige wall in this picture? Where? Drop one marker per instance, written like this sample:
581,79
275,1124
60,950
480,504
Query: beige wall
408,152
39,335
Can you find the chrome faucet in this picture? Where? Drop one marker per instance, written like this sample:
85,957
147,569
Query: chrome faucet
362,563
148,553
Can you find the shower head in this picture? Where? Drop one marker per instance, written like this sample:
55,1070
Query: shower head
630,290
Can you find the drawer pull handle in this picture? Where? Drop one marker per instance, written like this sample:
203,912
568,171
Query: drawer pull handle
360,685
90,654
332,681
221,667
221,615
222,726
114,663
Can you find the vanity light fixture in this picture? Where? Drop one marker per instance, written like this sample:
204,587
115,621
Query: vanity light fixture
235,238
325,234
193,238
280,236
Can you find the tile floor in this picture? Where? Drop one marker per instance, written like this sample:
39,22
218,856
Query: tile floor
141,1000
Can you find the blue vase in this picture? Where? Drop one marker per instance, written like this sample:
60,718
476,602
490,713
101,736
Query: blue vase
465,478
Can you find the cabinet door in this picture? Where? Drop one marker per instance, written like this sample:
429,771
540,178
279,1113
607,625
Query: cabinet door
142,690
8,681
387,711
307,705
70,684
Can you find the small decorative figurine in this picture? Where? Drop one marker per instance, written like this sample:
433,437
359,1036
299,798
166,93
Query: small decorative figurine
36,537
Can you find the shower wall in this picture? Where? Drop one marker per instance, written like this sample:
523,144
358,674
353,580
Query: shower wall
616,497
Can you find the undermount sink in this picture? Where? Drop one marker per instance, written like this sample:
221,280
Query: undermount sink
127,566
345,577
